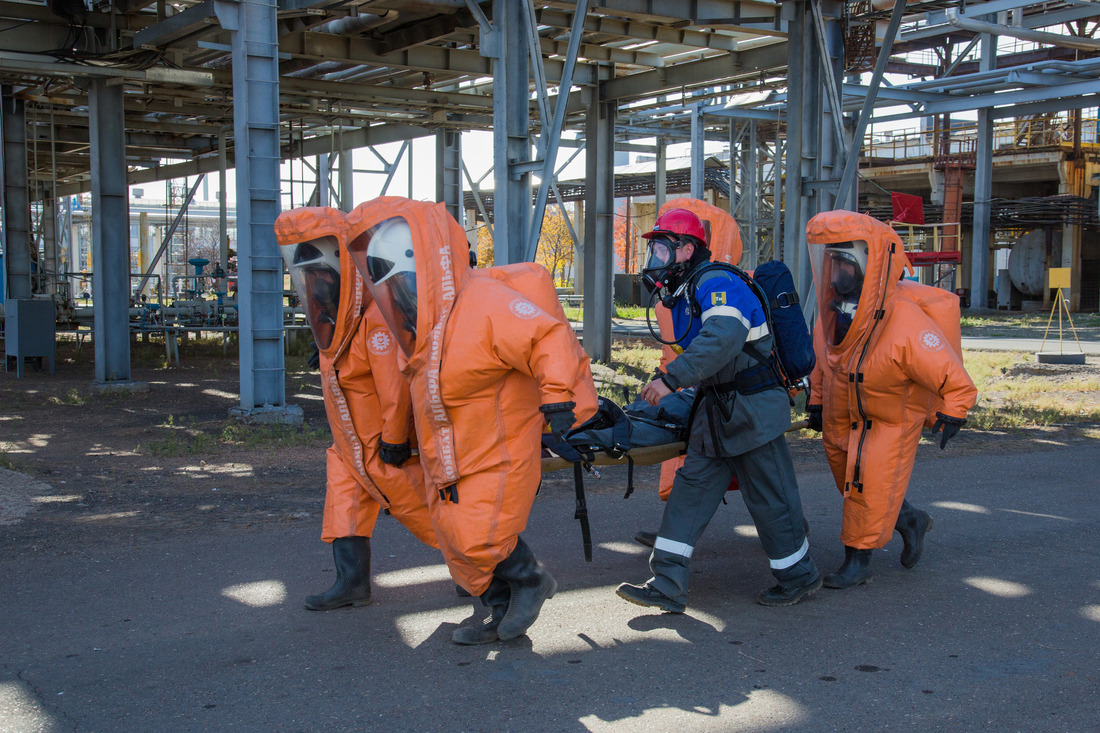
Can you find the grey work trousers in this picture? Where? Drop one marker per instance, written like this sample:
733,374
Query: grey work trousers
768,486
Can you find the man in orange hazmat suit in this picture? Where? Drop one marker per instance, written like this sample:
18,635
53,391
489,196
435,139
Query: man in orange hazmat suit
882,362
369,465
488,369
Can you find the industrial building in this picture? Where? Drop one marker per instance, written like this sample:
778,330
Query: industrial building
984,110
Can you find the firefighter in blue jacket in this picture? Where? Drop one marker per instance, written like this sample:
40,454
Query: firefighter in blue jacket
738,424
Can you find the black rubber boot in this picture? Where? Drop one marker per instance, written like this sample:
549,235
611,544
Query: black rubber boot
531,586
912,524
645,538
352,586
647,595
782,594
856,569
495,598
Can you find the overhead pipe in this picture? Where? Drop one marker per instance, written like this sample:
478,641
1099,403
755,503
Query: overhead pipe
1026,34
353,24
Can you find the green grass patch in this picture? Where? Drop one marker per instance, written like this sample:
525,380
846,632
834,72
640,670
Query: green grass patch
1016,393
191,440
627,312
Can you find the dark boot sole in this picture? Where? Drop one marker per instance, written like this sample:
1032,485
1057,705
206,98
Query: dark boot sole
802,595
835,585
484,637
669,607
333,606
909,562
646,539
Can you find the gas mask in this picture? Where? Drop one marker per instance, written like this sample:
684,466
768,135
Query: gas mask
662,274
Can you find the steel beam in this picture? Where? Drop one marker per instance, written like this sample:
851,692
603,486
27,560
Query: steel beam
50,246
448,171
698,151
511,136
661,181
110,235
252,26
599,228
16,205
717,68
551,134
983,192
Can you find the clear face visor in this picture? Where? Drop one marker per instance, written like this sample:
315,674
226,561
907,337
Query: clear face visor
314,267
839,273
661,254
384,256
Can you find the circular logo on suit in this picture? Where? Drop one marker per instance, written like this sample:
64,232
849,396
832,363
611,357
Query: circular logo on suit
380,341
931,340
524,309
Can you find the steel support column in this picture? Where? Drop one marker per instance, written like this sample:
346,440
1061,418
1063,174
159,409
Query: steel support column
110,234
851,163
749,204
252,26
15,198
983,190
448,171
511,136
346,165
698,151
324,179
47,280
223,205
803,136
599,229
661,182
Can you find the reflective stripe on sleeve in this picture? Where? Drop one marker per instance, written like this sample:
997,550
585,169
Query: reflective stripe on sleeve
755,333
672,547
785,562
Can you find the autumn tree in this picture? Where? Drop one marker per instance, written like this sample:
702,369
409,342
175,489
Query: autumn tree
555,251
484,247
625,237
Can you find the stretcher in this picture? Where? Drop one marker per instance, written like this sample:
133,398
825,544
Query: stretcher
586,459
646,455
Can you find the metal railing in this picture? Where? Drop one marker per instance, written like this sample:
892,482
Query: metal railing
1009,137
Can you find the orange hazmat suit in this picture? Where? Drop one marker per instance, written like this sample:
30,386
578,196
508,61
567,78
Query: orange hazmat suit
481,359
876,381
366,396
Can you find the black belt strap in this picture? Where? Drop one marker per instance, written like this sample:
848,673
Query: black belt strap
582,511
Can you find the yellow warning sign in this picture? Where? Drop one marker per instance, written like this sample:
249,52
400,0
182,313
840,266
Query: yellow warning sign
1059,277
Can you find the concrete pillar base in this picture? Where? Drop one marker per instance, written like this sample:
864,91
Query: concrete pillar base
282,415
122,385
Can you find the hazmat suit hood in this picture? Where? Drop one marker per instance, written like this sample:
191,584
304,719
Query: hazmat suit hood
312,241
723,233
724,243
862,242
414,259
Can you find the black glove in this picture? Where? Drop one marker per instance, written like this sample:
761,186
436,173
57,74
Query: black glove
950,426
559,416
394,453
314,360
813,416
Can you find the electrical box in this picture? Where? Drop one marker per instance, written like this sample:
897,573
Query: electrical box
29,331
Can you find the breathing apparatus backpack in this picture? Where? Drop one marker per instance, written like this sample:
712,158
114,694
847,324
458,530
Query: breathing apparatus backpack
792,357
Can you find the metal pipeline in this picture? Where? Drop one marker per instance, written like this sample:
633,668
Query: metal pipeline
1026,34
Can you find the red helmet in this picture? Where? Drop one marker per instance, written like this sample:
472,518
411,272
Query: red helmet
678,222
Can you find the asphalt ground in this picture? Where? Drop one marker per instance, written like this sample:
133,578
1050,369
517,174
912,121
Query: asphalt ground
996,629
